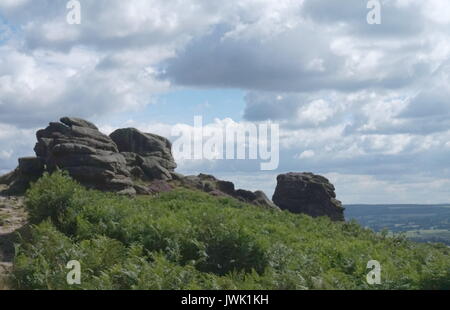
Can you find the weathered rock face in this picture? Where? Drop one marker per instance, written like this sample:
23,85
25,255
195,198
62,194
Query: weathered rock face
148,156
307,193
29,170
89,156
213,186
117,163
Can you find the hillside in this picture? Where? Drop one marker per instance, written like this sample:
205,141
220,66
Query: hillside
187,239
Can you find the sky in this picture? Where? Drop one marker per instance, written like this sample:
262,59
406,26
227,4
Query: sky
368,106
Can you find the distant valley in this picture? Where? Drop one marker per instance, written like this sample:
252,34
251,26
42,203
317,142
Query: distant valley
422,223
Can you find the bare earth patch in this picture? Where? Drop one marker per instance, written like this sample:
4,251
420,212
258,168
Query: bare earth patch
12,218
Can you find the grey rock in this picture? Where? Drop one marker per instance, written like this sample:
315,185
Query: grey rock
128,191
159,186
208,187
263,201
96,160
89,133
309,194
30,169
177,176
90,157
226,187
245,195
153,169
220,188
141,190
73,121
134,141
148,156
73,148
31,166
7,178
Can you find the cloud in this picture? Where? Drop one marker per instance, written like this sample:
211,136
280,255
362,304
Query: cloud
15,142
104,66
307,154
400,19
12,4
365,104
368,189
51,84
327,45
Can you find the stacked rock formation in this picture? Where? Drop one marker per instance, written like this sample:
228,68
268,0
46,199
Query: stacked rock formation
89,156
94,159
308,193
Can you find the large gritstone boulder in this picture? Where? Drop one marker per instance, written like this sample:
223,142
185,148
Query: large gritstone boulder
90,157
148,156
124,162
308,193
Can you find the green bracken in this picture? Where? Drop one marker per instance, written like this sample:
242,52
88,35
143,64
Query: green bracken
190,240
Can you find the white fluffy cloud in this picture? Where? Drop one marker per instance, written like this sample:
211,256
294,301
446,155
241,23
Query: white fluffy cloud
15,142
366,104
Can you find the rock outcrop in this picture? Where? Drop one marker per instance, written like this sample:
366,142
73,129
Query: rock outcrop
148,156
30,169
128,162
90,157
95,159
132,162
308,193
216,187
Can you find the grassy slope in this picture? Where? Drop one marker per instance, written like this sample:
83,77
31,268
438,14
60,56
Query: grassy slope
190,240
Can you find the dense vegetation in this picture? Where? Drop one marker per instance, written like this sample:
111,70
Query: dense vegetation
191,240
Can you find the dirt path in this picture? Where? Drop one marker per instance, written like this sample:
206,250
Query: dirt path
12,218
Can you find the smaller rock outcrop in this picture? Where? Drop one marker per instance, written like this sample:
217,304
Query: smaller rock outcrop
308,193
159,186
30,169
216,187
